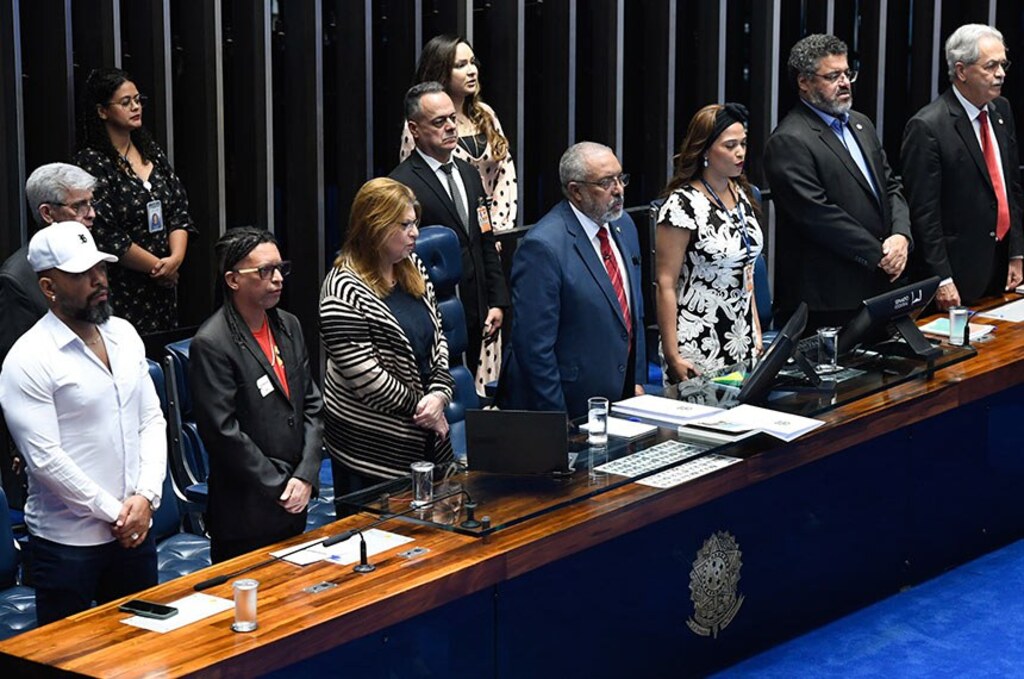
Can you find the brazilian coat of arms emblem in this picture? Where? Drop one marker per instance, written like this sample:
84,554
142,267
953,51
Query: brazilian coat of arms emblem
714,582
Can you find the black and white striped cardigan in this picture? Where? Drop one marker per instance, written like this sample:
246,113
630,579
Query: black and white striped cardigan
373,384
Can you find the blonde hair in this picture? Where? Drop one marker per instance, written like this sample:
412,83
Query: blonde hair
377,209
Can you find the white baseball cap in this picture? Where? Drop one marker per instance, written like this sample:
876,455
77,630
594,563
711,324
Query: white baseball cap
67,246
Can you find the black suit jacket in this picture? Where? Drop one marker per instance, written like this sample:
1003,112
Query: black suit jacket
953,206
256,441
830,226
21,301
483,281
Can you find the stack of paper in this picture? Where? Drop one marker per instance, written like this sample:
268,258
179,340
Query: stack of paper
940,328
752,418
1011,311
662,409
626,429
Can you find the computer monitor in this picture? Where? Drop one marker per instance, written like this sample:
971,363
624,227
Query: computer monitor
759,382
895,310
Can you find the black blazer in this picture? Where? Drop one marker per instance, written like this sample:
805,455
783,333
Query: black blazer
953,206
21,301
830,226
256,443
483,283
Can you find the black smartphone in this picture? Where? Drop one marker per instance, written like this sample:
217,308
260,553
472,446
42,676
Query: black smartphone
148,609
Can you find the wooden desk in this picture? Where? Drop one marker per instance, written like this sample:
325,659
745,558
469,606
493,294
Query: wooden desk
295,626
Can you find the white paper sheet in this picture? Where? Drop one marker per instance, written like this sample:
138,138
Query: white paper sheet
191,609
626,429
772,422
662,409
377,541
1012,311
689,471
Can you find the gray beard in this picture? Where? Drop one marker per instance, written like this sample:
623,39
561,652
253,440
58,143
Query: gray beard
97,315
833,109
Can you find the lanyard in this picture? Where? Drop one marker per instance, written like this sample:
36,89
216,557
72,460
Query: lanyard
744,234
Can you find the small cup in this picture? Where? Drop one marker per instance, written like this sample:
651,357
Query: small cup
597,421
245,605
958,325
422,483
828,351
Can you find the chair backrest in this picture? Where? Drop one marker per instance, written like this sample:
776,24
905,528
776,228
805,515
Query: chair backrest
178,351
9,556
438,247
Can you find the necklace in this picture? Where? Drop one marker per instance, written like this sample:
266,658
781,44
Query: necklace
128,149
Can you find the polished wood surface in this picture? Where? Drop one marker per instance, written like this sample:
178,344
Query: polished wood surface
295,625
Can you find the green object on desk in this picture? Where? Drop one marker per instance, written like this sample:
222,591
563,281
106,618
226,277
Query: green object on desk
733,379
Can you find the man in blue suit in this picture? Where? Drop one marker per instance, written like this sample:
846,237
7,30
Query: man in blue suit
576,293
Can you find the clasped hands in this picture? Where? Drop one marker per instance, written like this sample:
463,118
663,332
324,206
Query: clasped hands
133,523
165,271
430,414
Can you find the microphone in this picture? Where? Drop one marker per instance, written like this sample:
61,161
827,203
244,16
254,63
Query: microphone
342,537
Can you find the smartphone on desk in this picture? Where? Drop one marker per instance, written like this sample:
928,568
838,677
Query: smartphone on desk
148,609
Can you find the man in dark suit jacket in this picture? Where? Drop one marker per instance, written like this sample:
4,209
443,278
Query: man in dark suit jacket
255,401
967,220
574,336
431,172
56,192
843,229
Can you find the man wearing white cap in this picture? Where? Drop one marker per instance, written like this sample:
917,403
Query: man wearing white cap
83,411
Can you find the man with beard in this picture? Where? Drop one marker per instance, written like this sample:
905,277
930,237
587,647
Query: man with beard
84,413
255,401
962,171
451,194
843,228
576,290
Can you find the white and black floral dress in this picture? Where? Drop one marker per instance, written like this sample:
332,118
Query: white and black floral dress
715,324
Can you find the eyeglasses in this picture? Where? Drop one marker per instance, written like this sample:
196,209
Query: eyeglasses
608,182
267,271
80,208
993,66
834,76
126,102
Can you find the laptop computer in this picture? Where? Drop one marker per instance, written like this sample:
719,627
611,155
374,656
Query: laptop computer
517,442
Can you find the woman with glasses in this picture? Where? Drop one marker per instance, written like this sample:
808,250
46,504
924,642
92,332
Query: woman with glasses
707,240
141,206
387,380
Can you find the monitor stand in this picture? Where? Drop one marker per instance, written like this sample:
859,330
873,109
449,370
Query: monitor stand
915,345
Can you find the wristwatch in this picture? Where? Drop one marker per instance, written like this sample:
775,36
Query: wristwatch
152,498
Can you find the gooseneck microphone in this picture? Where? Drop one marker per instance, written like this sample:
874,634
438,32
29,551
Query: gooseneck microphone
335,539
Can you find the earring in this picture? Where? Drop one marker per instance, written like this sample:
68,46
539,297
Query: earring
53,298
705,161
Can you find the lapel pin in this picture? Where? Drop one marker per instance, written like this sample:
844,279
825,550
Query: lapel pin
859,126
618,230
1000,121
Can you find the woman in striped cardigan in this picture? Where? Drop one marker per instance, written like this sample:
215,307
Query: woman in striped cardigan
387,380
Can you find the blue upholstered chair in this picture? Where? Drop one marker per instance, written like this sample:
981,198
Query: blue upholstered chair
438,247
189,463
17,602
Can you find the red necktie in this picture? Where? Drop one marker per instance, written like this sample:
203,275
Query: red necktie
612,267
1003,218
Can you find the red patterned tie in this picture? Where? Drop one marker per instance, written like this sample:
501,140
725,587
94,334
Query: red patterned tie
1003,218
612,266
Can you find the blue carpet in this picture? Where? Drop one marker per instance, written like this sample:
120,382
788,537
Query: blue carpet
967,622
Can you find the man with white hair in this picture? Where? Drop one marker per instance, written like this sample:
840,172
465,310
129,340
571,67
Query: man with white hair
962,175
82,409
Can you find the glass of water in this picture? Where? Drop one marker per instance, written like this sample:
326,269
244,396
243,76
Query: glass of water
422,483
597,421
828,351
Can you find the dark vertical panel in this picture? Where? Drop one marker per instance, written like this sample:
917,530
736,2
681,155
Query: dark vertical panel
12,131
857,24
440,16
96,29
797,19
299,158
922,49
347,75
764,83
547,105
248,140
1010,20
696,48
394,49
900,63
739,57
145,44
199,159
595,86
645,102
47,81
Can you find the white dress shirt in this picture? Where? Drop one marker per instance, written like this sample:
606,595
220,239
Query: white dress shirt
591,228
442,176
972,113
91,438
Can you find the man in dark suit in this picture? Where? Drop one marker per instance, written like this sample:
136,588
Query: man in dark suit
255,401
451,194
843,229
56,192
962,172
576,289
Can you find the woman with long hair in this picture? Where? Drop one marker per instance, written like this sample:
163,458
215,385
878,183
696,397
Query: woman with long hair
387,381
141,206
707,240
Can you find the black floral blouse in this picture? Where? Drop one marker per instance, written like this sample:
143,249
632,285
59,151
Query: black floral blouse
120,199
